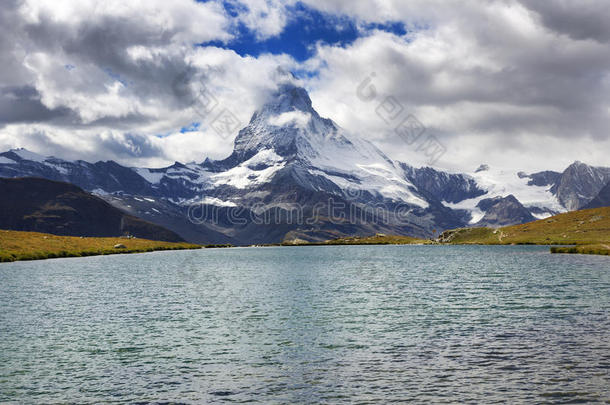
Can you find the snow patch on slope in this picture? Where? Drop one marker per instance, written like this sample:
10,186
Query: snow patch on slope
151,177
469,205
542,216
99,192
501,183
264,157
247,174
6,161
57,166
341,159
27,155
218,202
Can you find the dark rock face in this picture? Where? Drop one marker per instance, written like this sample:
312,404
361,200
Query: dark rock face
579,184
602,199
34,204
503,211
443,186
545,178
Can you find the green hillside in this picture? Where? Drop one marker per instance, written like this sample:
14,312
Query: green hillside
583,227
17,245
589,229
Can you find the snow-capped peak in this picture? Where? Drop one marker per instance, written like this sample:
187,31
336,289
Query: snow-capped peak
28,155
288,125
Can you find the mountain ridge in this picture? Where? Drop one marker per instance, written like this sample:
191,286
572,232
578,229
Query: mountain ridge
41,205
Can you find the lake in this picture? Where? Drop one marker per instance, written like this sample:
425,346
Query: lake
328,324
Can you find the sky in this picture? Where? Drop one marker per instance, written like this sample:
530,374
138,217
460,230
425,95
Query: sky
515,84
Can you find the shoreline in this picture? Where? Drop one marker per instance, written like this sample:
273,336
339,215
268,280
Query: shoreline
61,255
28,246
554,247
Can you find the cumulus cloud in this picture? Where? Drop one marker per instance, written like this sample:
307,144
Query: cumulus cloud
99,79
266,18
484,79
499,80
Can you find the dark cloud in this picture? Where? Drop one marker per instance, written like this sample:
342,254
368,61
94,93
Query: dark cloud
128,146
580,19
21,104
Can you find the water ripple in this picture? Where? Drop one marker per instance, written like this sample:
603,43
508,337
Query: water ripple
353,324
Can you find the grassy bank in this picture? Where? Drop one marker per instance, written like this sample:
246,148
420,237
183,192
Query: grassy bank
586,250
585,227
15,245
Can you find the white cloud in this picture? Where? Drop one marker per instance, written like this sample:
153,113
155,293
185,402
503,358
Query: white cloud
99,80
266,18
298,118
482,78
498,80
179,20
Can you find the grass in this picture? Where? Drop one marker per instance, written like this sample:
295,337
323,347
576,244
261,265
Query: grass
585,249
16,245
585,227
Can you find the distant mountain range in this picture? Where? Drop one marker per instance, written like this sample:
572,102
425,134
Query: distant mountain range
41,205
294,174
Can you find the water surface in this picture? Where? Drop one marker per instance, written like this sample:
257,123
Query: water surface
339,324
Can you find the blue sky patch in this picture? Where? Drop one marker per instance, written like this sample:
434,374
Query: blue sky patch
194,127
305,28
115,76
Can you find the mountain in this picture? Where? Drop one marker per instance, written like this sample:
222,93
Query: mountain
579,184
499,185
287,138
602,199
448,187
541,179
296,175
34,204
290,161
502,211
107,176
